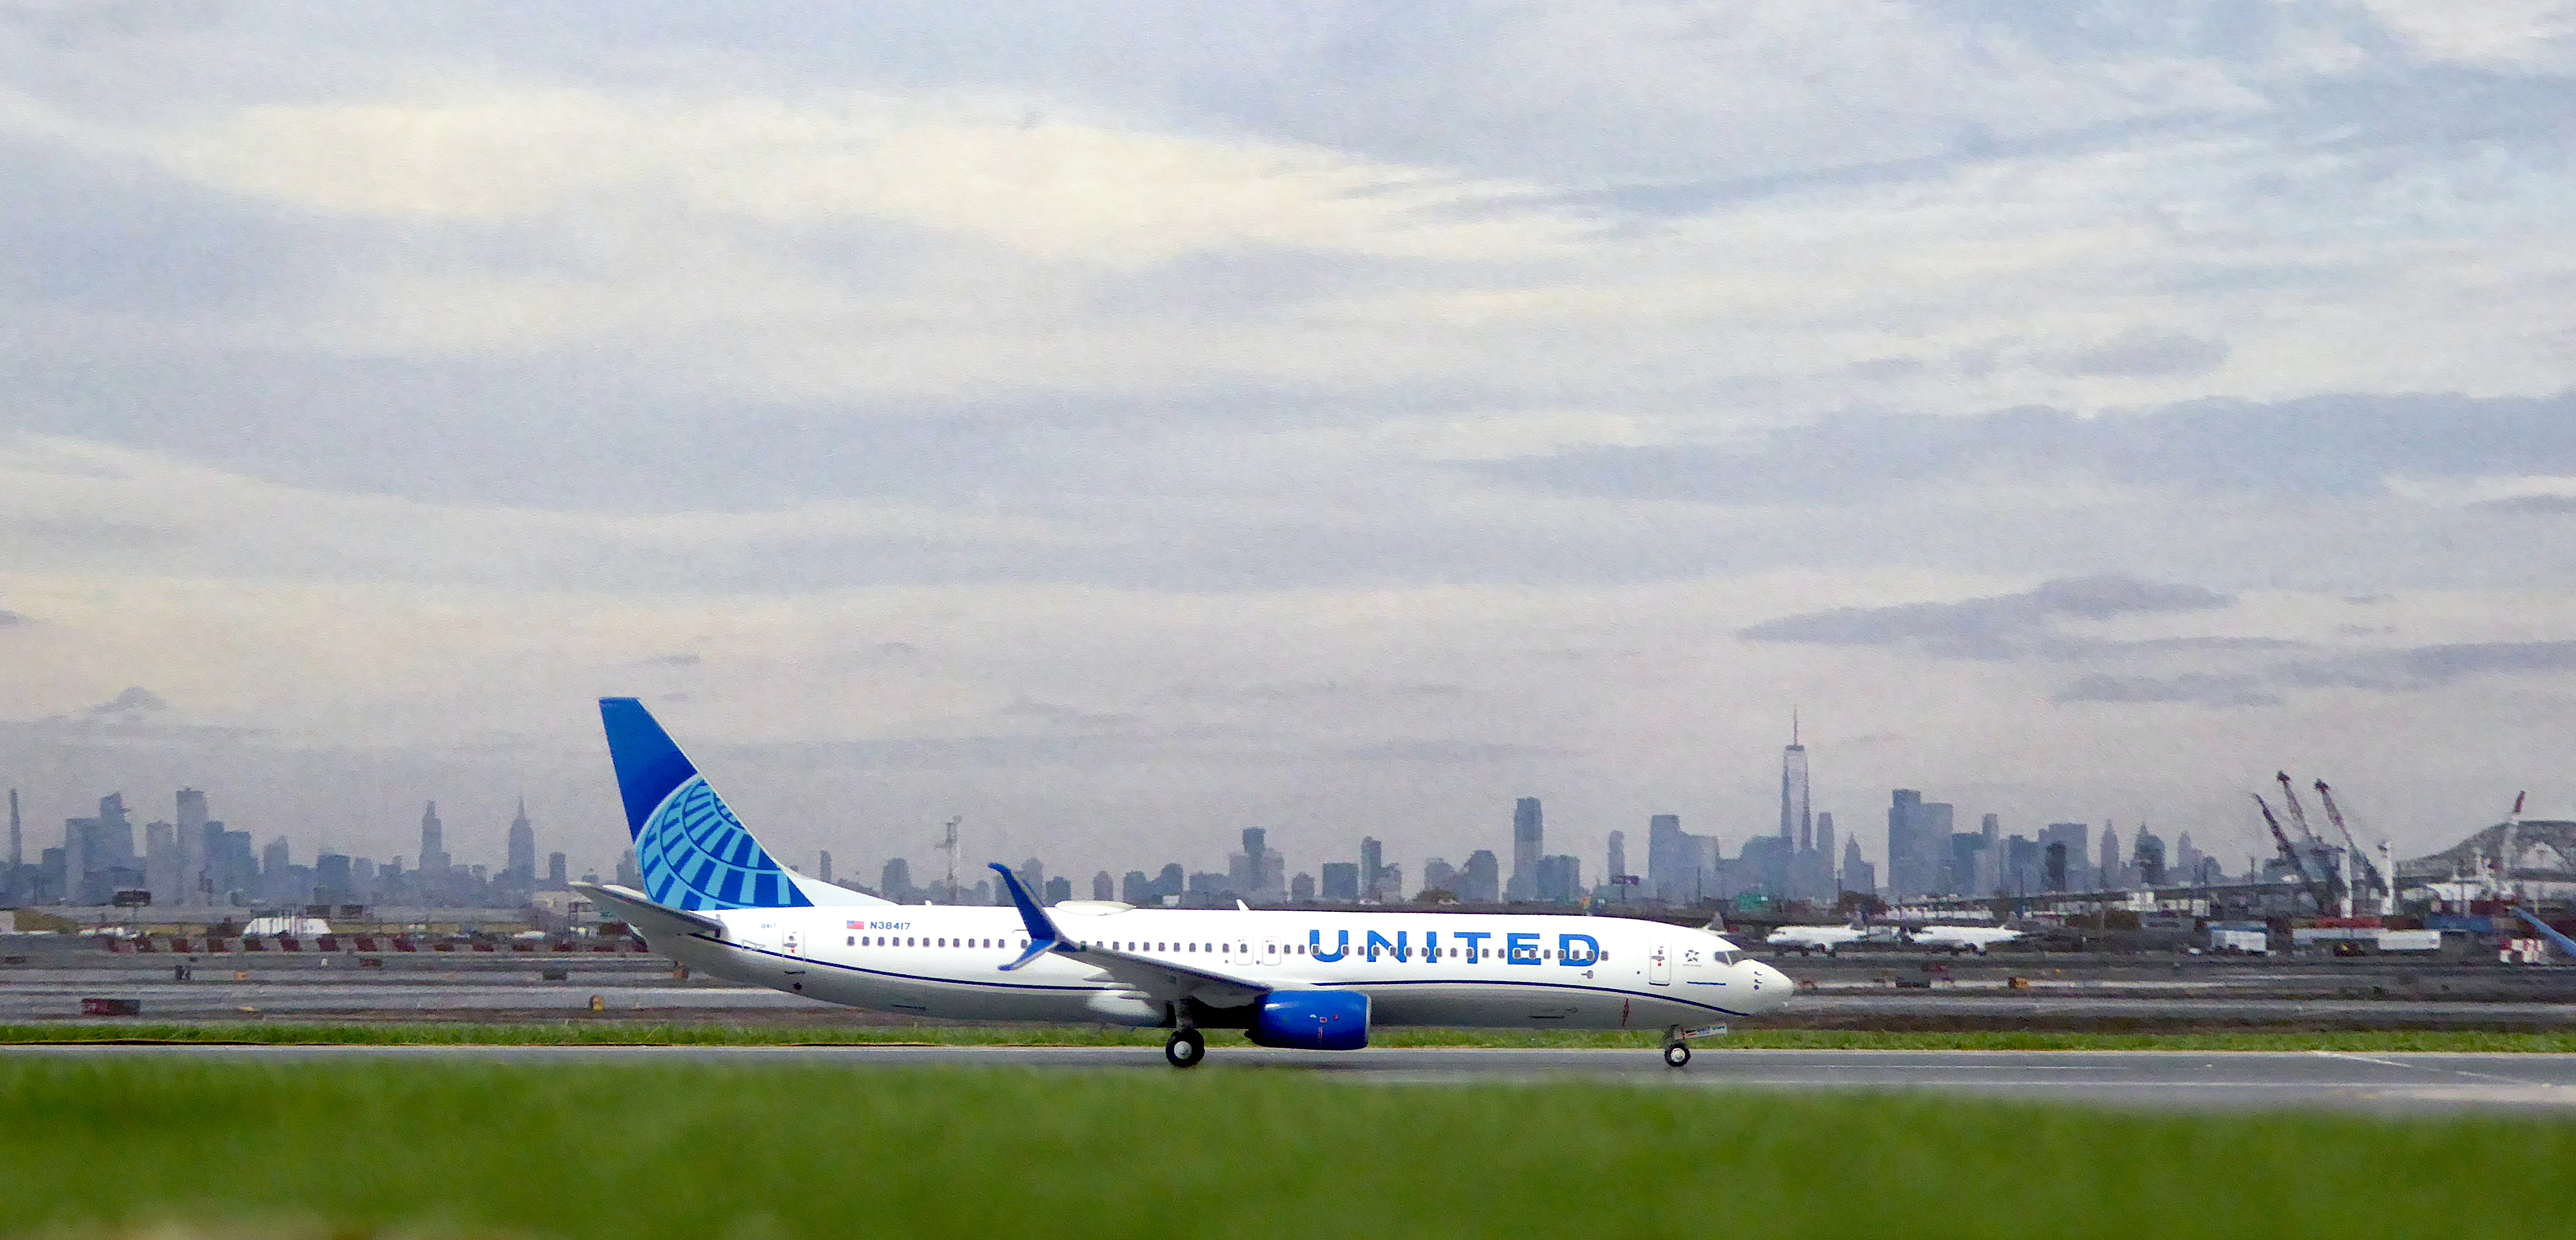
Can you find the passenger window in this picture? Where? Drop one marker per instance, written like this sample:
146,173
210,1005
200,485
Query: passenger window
854,941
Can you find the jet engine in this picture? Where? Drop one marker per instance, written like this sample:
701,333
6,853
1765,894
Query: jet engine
1312,1020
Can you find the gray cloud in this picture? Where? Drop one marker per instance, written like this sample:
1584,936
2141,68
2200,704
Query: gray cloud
1450,752
2002,627
2308,448
2533,505
2427,667
135,702
2196,688
2145,354
2408,670
11,619
2299,450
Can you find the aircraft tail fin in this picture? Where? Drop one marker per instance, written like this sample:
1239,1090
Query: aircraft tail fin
690,849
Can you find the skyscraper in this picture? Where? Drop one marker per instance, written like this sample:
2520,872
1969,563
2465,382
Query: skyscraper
1857,875
1618,855
1478,882
433,846
1904,821
556,879
13,883
522,869
1373,869
1794,823
191,821
1529,843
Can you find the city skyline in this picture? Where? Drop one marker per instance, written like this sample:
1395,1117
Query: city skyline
1926,856
2079,419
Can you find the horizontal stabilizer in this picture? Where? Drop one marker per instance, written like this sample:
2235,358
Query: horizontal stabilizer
638,910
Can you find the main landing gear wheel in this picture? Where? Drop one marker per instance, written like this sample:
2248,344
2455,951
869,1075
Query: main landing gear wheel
1677,1055
1184,1049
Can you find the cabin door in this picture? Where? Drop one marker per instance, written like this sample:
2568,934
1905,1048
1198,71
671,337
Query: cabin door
1270,949
1659,966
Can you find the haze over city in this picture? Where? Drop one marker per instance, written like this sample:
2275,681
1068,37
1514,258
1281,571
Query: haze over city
1342,421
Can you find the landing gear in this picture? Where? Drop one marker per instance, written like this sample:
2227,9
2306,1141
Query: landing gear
1184,1049
1677,1042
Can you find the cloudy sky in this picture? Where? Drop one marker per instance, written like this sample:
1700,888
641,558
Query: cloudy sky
1121,425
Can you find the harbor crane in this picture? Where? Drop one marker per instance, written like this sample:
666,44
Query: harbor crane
2299,864
2373,879
2335,884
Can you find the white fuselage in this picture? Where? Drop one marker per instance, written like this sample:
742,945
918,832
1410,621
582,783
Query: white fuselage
1468,970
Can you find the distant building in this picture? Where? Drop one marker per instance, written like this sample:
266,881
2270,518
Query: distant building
1481,881
2147,858
556,878
1137,889
895,881
1104,887
1857,875
2065,856
1340,881
1678,863
1301,889
1529,842
823,865
1059,889
1618,858
522,868
1438,874
1918,845
1558,879
433,846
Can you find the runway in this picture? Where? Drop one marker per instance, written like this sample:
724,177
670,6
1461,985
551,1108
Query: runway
2142,1079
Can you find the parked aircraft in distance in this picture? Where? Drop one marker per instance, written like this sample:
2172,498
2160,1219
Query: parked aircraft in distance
716,900
1807,940
1956,939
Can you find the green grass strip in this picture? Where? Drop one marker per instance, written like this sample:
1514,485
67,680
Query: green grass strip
118,1147
640,1033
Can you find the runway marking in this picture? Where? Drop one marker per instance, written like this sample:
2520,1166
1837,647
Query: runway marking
2440,1067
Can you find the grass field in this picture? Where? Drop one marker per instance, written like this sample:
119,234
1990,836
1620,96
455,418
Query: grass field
95,1148
609,1033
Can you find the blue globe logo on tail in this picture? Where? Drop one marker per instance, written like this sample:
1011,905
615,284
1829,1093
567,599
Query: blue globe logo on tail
692,852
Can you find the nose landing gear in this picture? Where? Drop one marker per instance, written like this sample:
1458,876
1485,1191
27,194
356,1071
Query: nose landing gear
1677,1040
1184,1049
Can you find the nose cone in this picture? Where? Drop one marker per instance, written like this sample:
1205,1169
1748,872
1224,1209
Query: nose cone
1776,986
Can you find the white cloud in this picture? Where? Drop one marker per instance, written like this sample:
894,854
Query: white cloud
1078,190
2528,34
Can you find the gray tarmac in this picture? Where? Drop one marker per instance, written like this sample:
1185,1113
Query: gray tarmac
349,993
2197,1081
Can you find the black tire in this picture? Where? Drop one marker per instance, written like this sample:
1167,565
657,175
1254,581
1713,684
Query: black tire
1677,1055
1184,1049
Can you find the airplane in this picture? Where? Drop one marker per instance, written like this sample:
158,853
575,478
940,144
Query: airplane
1806,940
716,900
1956,939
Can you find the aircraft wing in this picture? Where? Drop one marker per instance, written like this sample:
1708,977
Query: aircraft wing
1161,981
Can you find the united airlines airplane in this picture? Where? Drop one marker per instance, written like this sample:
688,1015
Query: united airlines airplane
715,900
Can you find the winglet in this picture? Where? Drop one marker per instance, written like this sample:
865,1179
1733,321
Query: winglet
1042,932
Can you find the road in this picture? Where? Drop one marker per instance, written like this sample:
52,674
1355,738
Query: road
2150,1079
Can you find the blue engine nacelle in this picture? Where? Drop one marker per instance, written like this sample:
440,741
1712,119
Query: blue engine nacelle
1312,1020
